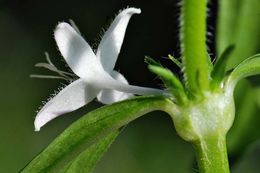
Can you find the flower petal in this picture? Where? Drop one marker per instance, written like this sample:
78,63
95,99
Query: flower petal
105,81
72,97
108,96
111,42
76,51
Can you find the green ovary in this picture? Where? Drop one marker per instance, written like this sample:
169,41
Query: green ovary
211,116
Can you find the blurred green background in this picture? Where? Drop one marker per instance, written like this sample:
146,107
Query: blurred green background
149,144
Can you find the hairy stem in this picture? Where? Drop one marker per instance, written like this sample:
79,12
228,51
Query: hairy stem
193,45
212,155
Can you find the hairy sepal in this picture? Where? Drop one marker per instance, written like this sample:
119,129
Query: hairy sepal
171,82
219,69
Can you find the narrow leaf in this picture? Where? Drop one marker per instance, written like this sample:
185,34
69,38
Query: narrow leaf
248,67
87,160
90,128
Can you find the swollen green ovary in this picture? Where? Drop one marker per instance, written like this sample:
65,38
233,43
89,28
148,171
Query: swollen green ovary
210,117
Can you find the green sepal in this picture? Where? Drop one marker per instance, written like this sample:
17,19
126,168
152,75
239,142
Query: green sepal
91,128
171,82
167,76
219,69
150,61
87,160
175,61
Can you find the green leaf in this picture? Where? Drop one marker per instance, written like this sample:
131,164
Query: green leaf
89,129
248,67
219,69
149,145
87,160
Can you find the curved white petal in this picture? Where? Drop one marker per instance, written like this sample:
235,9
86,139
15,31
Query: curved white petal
108,96
112,40
72,97
105,81
76,51
116,85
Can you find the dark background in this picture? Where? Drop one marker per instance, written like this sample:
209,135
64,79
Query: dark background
149,144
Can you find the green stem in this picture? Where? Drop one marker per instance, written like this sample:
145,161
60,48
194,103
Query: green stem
212,155
193,44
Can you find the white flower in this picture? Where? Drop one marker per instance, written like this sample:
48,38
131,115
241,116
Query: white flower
95,71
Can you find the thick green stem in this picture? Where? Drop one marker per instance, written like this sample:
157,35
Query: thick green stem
212,155
193,44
